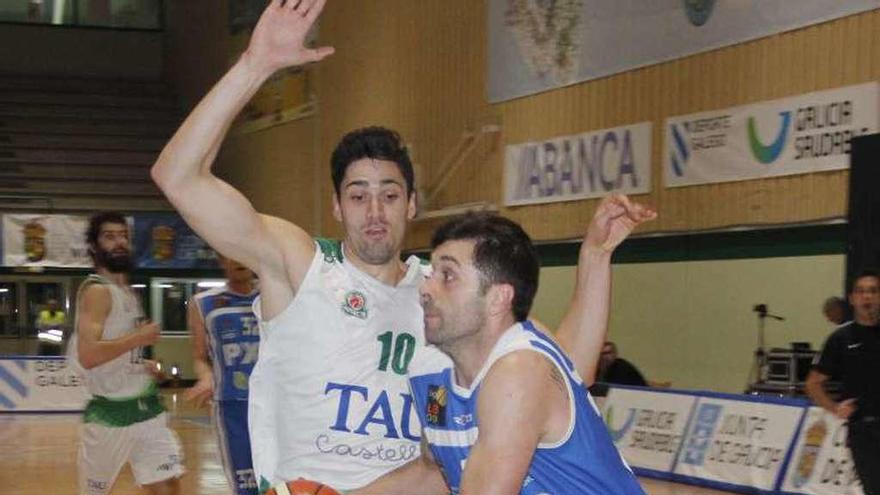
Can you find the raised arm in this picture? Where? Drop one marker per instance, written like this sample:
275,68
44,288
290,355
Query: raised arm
218,212
585,324
94,306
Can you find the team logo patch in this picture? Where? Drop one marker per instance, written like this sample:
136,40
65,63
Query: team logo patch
240,380
436,409
355,304
807,461
698,11
221,302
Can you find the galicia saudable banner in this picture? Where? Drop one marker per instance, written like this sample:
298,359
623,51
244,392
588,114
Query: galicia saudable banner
647,426
796,135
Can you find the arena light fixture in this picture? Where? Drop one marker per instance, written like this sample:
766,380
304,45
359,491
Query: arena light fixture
211,284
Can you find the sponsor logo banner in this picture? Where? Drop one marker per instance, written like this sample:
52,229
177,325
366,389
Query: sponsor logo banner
795,135
741,443
539,45
822,464
587,165
45,240
164,240
40,385
647,427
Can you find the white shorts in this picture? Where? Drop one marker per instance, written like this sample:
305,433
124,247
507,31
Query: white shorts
151,447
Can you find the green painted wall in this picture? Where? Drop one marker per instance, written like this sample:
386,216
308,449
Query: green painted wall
692,322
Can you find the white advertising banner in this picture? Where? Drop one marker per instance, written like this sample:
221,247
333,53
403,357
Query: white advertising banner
647,427
795,135
821,464
45,240
40,384
738,442
587,165
539,45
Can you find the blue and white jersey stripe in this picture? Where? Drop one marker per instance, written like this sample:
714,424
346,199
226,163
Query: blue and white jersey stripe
233,339
585,461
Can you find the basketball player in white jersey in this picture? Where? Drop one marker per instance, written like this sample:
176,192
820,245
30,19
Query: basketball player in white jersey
124,422
329,399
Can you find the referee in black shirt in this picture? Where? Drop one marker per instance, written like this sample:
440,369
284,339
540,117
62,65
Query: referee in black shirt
852,356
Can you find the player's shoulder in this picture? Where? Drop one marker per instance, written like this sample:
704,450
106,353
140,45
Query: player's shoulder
843,331
428,360
209,293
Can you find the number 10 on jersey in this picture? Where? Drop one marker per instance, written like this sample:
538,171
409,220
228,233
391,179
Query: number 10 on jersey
397,350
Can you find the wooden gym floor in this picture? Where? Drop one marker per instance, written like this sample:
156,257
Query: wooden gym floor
38,455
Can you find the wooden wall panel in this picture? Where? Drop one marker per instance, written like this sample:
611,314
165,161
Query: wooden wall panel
419,67
275,169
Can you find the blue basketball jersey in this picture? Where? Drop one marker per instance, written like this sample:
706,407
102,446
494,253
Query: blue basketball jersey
230,417
233,339
585,462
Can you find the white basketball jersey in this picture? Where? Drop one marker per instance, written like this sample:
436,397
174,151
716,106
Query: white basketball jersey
329,398
125,375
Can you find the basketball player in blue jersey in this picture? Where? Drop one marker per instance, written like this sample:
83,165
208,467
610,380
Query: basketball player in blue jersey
503,409
339,321
226,340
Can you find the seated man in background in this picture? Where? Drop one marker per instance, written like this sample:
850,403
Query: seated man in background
614,369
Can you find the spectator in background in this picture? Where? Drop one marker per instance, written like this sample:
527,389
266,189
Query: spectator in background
835,310
614,369
51,317
50,327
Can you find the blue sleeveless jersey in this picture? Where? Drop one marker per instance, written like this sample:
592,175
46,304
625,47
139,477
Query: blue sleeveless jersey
233,339
586,462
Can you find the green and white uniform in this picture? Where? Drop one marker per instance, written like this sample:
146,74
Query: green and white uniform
124,421
329,398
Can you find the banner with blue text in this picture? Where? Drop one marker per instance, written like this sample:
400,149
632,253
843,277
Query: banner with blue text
796,135
588,165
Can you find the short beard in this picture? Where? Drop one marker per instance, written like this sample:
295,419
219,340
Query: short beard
375,254
113,264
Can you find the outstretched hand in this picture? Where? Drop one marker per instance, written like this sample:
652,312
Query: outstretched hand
154,369
845,409
201,393
278,40
614,220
